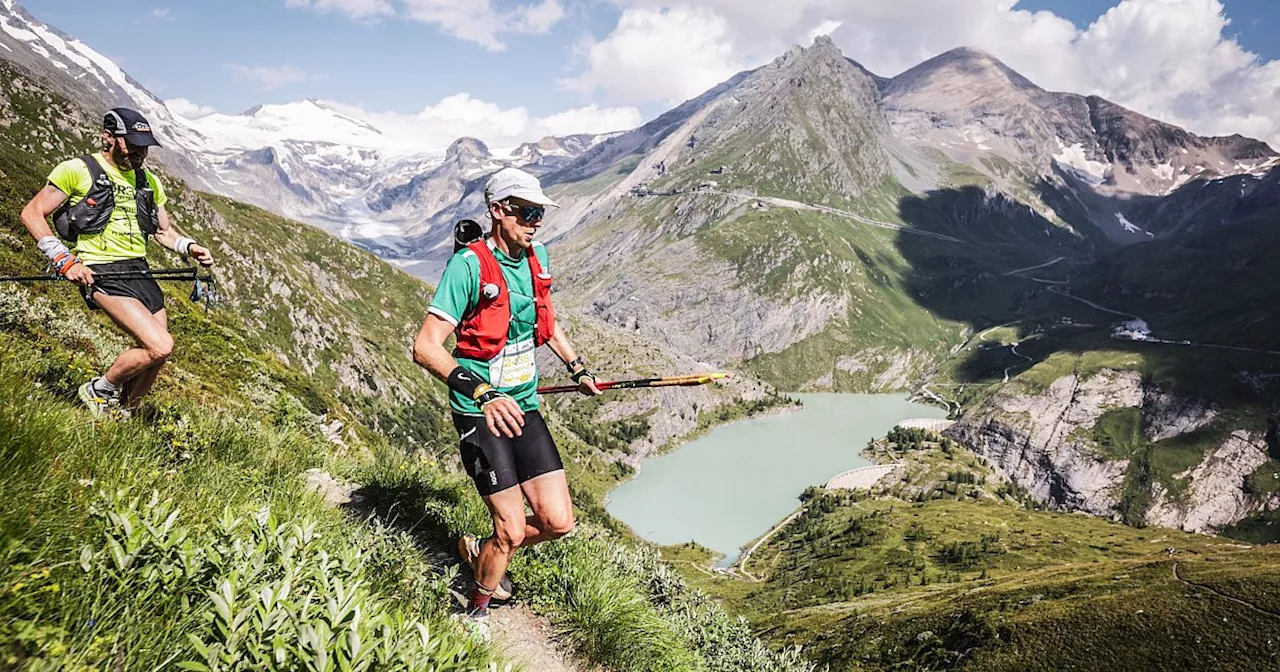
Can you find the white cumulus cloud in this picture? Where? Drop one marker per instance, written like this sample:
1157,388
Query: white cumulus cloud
592,119
187,109
1174,60
461,115
827,27
665,55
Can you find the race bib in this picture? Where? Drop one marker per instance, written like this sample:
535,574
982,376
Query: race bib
515,366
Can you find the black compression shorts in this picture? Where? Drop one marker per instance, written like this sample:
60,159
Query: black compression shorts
496,463
145,290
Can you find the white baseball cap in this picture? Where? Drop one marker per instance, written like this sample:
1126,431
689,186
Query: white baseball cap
510,182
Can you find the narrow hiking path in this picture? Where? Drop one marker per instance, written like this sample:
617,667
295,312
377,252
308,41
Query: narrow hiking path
1221,594
521,636
742,562
529,641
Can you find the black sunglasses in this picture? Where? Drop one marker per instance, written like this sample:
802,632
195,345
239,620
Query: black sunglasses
528,213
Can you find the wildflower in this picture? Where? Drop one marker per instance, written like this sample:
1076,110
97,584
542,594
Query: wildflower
85,482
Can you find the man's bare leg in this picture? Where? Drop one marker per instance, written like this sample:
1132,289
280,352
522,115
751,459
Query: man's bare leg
509,527
149,331
552,518
548,497
139,386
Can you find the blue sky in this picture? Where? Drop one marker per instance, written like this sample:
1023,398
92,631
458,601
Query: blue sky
643,56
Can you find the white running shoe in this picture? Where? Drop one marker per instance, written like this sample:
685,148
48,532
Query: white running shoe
96,404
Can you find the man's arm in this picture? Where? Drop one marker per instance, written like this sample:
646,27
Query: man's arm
501,412
560,345
35,218
169,236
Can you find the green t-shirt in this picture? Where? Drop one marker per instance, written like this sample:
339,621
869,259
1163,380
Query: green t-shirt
122,239
515,371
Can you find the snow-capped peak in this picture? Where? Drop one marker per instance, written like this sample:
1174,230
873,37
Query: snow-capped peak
274,125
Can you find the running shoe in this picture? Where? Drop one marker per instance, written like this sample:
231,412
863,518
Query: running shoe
475,624
469,549
97,405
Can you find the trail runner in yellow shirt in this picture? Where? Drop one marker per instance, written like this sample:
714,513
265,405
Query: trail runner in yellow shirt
107,205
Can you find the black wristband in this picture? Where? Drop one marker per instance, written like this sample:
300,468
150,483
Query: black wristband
578,362
464,382
489,396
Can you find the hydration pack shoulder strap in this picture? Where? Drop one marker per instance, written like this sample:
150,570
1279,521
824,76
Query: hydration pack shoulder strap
148,213
91,213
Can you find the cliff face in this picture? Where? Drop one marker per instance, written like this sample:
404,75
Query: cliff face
1054,444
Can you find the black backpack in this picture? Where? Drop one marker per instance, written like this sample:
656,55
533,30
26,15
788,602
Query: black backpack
91,214
465,232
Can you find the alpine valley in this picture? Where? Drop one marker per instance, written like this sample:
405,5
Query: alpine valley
1090,292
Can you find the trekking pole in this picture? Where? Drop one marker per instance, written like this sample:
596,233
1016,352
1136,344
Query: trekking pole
206,286
691,380
167,274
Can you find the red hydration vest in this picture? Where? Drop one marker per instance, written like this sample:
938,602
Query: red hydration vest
482,334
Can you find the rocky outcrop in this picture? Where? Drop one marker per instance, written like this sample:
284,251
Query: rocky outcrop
1043,440
1169,415
1034,439
1216,495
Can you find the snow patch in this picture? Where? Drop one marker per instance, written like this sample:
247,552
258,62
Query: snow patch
1130,227
17,32
1074,158
1163,171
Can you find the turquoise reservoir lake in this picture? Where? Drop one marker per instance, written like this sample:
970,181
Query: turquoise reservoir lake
732,485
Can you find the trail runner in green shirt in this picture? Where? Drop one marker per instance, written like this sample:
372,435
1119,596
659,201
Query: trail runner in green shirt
496,295
114,241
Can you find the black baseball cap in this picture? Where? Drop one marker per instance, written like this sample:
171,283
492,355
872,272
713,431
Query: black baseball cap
133,127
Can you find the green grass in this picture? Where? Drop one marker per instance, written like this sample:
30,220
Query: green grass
1000,587
63,608
1118,433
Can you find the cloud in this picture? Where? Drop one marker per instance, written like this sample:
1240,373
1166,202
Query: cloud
270,77
187,109
162,14
828,27
592,119
362,10
1170,59
460,115
479,22
664,55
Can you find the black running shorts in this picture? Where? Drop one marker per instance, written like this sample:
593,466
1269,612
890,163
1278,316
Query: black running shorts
146,290
496,463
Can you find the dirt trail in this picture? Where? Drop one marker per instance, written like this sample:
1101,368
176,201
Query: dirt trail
523,638
529,642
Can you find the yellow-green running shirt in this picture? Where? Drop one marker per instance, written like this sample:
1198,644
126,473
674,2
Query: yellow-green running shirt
122,239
